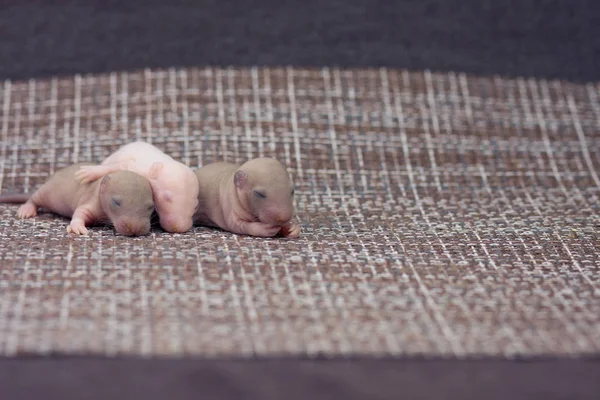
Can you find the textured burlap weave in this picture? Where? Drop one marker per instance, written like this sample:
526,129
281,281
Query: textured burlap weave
441,214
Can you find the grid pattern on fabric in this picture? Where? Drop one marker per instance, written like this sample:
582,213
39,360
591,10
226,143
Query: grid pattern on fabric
442,214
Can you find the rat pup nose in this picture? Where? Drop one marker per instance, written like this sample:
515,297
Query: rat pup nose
141,229
131,228
176,225
125,228
283,217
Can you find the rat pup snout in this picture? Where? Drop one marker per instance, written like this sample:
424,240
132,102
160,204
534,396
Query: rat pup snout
279,217
131,227
176,225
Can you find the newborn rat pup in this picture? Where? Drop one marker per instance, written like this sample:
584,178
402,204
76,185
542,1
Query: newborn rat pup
122,198
255,198
174,185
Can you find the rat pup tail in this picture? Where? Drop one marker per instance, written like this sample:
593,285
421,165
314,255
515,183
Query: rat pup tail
14,198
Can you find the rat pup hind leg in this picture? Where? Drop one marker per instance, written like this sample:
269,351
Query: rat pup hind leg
36,200
27,210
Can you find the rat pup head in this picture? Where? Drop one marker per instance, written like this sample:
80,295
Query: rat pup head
126,198
176,195
265,189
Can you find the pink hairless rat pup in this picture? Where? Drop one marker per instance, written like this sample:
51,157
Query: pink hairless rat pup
255,198
174,184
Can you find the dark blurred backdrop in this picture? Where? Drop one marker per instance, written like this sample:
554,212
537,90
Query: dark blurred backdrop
551,38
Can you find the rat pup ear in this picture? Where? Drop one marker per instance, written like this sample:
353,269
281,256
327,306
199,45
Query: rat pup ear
167,196
240,178
155,170
104,183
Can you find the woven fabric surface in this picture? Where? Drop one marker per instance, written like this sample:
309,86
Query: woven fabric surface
442,214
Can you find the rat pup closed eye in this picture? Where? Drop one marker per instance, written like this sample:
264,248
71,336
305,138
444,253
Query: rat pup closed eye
255,198
122,198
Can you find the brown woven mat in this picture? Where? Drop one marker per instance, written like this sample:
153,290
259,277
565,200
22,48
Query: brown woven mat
441,214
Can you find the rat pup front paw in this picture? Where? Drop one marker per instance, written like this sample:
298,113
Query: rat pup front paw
27,210
259,229
291,230
77,227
